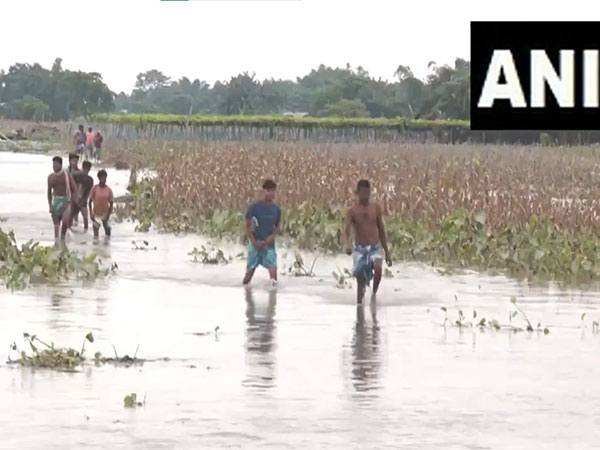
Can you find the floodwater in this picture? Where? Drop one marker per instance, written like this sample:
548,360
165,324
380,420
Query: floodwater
297,368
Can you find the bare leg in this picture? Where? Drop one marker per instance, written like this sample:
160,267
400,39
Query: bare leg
248,276
377,266
66,222
84,214
360,290
56,224
96,229
106,227
273,273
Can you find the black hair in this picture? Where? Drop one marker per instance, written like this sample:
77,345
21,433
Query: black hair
80,126
269,185
57,159
363,184
90,129
102,173
86,165
73,156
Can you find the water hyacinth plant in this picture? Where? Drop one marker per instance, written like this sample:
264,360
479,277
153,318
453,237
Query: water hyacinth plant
34,263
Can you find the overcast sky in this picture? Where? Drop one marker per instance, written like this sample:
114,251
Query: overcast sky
215,39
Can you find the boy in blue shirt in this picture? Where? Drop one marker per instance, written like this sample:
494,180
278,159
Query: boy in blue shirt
263,220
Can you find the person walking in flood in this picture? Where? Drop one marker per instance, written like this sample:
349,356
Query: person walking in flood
61,188
89,144
101,205
85,182
80,139
98,139
74,171
369,237
263,221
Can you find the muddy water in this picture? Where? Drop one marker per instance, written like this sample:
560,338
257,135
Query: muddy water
296,368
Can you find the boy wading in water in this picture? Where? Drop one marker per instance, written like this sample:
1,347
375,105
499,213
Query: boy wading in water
263,220
369,233
86,182
101,205
61,188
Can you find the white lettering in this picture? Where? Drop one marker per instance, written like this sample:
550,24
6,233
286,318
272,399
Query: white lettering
590,78
543,72
502,62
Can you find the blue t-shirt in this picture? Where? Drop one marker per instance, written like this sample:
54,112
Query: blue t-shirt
266,216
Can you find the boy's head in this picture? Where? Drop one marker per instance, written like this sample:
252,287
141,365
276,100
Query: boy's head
269,188
80,127
87,166
90,129
363,190
102,177
73,160
57,163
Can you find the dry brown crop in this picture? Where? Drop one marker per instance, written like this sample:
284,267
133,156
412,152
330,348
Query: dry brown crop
422,182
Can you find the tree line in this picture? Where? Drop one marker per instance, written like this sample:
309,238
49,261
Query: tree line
31,92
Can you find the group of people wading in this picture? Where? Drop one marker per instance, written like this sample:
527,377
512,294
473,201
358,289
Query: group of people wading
72,192
263,223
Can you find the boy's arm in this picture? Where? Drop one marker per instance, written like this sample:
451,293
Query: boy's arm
382,236
347,228
90,203
249,233
111,202
49,195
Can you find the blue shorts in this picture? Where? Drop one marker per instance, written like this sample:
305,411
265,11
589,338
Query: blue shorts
364,257
266,257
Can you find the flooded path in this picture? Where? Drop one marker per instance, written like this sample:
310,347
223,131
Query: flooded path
294,369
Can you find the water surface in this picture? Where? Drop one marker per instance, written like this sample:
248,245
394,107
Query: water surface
296,368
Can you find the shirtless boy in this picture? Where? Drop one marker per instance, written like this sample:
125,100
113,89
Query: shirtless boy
369,237
61,187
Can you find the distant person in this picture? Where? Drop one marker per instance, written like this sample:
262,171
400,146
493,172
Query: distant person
80,139
101,205
86,182
98,139
263,221
61,188
74,171
367,220
89,143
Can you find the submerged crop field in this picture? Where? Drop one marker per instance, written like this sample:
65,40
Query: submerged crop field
529,211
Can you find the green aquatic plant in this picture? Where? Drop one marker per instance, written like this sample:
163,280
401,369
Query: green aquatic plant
483,323
143,245
49,357
298,269
209,256
34,263
130,401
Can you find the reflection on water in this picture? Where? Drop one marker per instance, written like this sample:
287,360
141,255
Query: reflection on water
260,340
366,358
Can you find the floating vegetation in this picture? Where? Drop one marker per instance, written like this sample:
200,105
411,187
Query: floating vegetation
48,357
297,269
483,323
130,401
342,278
126,360
34,263
209,256
143,245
